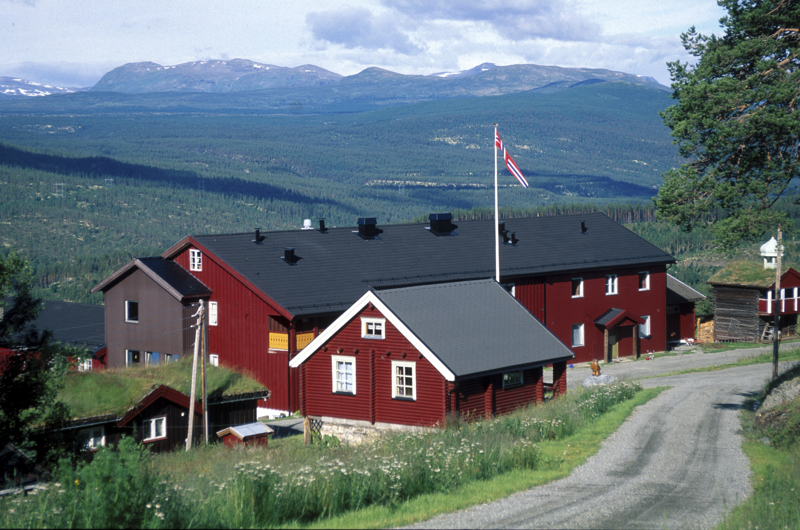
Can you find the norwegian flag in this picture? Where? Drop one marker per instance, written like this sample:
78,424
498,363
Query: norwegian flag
510,164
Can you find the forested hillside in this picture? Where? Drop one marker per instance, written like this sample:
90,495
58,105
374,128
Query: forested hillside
80,194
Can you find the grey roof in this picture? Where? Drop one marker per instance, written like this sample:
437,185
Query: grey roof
337,267
172,277
80,325
474,327
680,293
247,430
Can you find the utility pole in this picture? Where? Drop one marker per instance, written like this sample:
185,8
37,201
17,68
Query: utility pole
776,326
197,335
205,388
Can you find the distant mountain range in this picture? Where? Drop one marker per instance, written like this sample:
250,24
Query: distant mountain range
14,87
242,75
241,85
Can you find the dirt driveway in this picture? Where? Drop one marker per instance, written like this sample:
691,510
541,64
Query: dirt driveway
675,463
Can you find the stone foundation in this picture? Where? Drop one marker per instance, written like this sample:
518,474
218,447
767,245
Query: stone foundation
355,432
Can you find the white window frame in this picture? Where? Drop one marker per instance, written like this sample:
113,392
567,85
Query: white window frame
335,371
644,329
152,426
396,384
128,317
581,337
368,328
171,357
85,365
213,359
612,284
195,260
128,358
646,281
95,438
212,313
512,379
580,287
148,358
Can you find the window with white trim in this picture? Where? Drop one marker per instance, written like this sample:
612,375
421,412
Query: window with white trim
644,329
152,358
577,335
154,428
171,357
644,281
373,328
344,374
132,358
92,439
404,380
511,379
85,365
611,284
213,359
195,260
132,311
577,287
212,313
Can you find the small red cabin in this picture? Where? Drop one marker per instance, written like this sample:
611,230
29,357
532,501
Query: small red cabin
249,434
413,355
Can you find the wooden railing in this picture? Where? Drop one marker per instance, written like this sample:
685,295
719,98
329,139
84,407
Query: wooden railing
788,303
278,341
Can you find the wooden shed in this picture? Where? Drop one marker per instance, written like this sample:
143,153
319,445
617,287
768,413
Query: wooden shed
255,433
413,355
744,304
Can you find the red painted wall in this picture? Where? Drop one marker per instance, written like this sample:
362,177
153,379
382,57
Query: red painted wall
562,310
241,336
373,400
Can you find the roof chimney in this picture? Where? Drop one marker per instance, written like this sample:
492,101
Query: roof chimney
289,256
583,227
442,224
259,238
367,228
501,227
322,226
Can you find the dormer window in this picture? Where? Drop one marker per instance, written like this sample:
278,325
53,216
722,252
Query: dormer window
195,260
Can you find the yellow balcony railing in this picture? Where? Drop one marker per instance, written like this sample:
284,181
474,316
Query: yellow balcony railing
278,341
304,339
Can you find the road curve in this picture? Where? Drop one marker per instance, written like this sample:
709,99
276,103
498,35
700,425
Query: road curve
676,462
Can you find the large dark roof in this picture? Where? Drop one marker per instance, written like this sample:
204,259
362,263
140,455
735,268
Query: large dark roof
74,324
337,267
474,327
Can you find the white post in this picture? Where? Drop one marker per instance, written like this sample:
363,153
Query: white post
496,215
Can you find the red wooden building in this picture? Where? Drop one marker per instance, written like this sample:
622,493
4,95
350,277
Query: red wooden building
413,355
271,293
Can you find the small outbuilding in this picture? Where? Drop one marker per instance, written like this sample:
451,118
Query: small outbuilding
411,356
249,434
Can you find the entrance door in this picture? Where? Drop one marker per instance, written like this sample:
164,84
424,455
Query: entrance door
613,345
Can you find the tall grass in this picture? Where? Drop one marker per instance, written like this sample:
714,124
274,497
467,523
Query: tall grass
294,483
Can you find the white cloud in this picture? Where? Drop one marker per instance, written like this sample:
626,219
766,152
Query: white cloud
360,28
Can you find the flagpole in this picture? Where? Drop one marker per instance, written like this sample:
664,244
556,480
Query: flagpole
496,216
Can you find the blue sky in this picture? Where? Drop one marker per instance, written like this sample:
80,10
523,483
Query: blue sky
74,42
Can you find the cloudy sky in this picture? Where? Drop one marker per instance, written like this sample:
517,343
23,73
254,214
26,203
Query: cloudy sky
74,42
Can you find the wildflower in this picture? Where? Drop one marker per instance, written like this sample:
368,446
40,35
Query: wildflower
77,482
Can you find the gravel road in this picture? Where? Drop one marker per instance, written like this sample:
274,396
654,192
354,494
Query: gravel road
676,462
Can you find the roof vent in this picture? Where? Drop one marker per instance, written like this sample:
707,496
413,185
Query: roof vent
259,238
289,256
322,226
441,224
583,227
368,228
307,225
501,227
